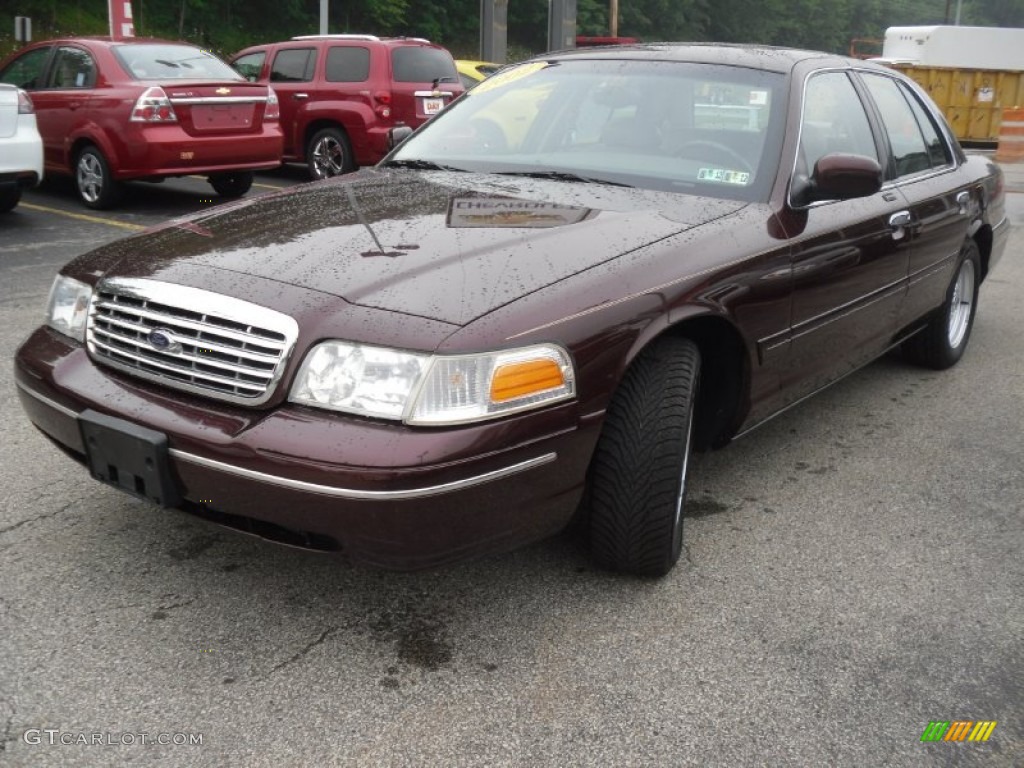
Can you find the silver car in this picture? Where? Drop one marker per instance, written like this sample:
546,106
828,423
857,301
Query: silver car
21,148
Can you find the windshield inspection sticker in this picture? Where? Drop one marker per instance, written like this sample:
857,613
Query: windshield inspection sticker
726,177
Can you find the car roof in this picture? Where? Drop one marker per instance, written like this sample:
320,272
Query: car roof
764,57
107,41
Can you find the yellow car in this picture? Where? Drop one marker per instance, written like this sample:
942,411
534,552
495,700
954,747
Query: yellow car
472,72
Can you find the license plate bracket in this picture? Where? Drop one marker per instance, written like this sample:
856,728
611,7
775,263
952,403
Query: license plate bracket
129,457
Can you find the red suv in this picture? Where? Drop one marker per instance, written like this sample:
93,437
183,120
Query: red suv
109,111
342,96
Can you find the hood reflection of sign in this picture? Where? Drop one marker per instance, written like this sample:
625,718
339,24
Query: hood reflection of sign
508,212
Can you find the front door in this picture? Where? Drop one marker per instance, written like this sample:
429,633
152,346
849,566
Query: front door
850,257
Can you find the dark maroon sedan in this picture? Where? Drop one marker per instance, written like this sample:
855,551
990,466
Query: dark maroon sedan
113,111
535,308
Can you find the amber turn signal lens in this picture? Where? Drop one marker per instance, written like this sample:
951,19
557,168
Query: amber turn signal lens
515,380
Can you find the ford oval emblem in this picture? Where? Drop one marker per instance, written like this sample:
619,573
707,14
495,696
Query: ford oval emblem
160,339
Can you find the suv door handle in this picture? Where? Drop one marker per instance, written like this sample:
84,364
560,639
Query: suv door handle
962,201
899,223
300,96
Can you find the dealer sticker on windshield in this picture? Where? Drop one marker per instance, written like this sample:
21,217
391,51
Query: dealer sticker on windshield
726,177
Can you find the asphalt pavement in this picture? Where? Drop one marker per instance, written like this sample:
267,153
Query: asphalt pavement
852,572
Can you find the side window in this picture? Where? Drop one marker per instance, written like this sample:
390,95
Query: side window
833,120
26,71
348,64
938,148
72,68
293,65
908,145
250,65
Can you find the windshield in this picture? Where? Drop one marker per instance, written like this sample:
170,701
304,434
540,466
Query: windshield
156,61
693,128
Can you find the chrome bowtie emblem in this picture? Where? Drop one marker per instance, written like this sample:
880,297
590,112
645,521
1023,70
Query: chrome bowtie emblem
162,341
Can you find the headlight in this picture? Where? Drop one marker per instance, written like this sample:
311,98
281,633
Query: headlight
68,307
432,390
357,379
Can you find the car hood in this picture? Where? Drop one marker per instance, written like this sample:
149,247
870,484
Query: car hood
441,245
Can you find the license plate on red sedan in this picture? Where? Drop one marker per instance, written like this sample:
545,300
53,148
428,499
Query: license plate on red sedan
220,116
432,106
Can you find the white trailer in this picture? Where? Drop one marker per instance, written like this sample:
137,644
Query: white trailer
956,47
972,73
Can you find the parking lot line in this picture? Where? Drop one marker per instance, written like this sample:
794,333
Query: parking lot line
84,217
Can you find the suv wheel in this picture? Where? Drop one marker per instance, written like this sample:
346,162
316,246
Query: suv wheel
231,184
329,154
94,181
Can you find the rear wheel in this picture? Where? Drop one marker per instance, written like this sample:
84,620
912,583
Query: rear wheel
943,341
9,197
638,473
329,154
232,184
95,183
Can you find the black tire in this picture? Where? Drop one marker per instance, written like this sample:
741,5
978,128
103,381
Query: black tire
94,182
9,197
231,185
637,479
329,153
942,342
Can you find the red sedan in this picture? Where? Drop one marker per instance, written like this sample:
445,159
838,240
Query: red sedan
111,111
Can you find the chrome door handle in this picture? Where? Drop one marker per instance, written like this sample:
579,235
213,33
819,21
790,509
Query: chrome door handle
962,201
899,222
300,96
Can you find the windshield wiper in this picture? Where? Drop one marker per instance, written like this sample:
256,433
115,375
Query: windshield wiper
421,165
563,176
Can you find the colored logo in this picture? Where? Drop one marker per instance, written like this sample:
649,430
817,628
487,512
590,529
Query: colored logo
223,91
958,730
162,341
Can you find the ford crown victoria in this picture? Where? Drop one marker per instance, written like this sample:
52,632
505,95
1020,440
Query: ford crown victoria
532,311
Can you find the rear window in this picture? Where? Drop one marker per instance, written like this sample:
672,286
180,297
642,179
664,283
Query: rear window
158,61
347,64
415,64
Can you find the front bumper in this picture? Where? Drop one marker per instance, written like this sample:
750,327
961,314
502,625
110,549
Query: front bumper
418,497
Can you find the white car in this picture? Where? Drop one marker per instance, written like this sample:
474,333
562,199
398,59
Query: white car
21,148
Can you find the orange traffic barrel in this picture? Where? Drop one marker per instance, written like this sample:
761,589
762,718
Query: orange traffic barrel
1011,136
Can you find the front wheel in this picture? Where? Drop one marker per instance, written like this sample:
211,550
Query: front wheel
638,473
329,154
942,342
232,184
95,183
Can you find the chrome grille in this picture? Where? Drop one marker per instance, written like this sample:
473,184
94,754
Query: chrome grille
190,339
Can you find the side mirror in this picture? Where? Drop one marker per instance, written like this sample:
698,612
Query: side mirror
841,177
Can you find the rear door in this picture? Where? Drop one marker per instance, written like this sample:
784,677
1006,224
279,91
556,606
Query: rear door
424,80
924,172
62,108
